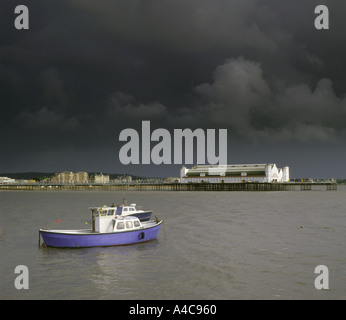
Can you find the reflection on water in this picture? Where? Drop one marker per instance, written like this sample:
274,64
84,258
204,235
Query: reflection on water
218,245
120,269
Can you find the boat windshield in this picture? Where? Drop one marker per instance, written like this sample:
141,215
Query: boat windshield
136,223
110,212
120,225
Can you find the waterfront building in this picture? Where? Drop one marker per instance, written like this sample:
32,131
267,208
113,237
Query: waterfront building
5,180
70,177
81,177
234,173
99,178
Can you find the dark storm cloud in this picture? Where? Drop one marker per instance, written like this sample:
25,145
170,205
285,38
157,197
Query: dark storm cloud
179,25
86,69
241,98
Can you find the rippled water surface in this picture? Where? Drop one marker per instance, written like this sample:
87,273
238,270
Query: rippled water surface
214,245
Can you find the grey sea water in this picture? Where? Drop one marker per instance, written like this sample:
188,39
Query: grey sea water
214,245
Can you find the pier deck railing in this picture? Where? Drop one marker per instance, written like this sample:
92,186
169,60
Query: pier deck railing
245,186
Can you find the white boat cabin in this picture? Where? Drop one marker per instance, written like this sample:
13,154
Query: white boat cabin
126,224
111,219
123,210
127,209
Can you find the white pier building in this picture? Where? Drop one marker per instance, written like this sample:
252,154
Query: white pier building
234,173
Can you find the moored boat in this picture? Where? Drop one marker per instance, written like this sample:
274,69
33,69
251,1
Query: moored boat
123,210
107,230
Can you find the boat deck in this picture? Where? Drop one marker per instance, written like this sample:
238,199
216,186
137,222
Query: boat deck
145,225
76,231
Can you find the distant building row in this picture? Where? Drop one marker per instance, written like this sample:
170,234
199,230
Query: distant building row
83,178
79,177
234,173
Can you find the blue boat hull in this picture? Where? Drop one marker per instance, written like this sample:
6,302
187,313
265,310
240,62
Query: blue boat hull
87,238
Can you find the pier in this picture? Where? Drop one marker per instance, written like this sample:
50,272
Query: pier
245,186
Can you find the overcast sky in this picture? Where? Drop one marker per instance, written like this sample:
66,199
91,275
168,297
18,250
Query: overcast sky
85,70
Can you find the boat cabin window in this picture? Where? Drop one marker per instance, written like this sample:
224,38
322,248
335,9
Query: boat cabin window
132,209
110,212
120,225
125,209
129,224
136,223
